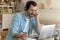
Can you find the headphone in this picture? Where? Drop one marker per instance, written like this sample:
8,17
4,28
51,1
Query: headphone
26,7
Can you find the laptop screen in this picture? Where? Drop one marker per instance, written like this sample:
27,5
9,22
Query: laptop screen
47,31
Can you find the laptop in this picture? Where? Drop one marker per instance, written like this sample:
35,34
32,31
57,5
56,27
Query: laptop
47,31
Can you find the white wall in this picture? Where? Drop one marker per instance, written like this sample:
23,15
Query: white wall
50,15
55,4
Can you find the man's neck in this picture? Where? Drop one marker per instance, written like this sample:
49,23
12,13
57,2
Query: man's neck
27,16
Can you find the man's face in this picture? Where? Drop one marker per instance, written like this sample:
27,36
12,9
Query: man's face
32,10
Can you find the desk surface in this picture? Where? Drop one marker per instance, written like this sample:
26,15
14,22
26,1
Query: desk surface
48,39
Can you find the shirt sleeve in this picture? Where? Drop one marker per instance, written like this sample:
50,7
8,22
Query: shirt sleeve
33,24
14,25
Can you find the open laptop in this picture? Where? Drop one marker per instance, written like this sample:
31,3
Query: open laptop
47,31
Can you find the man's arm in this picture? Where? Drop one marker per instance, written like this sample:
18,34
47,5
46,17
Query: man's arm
38,25
17,36
23,36
15,27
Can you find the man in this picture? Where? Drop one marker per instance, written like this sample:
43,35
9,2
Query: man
24,22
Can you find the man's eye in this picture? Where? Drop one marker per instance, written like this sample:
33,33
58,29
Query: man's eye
31,10
35,10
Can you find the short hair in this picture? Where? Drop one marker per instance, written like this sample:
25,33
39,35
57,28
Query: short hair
28,3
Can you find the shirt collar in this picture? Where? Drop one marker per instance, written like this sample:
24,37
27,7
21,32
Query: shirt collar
24,17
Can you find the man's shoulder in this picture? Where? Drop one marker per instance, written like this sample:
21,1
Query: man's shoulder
19,14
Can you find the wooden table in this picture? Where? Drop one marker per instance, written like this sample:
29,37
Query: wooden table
4,33
47,39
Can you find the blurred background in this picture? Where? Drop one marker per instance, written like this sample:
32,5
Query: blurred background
49,10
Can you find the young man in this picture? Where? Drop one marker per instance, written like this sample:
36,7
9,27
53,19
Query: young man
24,22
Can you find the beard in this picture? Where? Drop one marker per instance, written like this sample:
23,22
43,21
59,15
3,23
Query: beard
30,14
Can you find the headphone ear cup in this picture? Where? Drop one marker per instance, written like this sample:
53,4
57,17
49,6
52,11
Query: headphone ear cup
25,8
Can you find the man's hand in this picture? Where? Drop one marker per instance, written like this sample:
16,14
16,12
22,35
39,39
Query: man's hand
24,36
36,15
